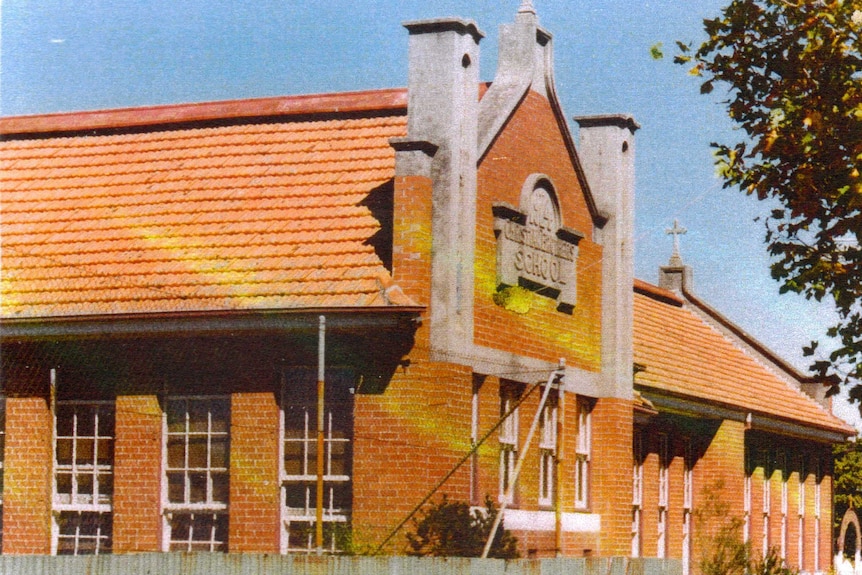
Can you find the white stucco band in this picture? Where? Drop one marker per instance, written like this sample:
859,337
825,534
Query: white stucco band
519,520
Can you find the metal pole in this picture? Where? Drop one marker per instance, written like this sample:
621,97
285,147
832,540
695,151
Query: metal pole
555,375
457,466
558,475
321,424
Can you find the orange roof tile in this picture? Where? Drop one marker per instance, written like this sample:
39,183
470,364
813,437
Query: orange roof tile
685,356
266,214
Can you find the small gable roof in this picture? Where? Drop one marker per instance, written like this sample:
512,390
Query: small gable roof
243,205
686,357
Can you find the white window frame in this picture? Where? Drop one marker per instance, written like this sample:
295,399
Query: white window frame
687,505
661,535
508,440
800,510
474,438
767,500
817,501
746,496
781,461
547,454
213,511
688,478
78,507
637,492
306,516
663,494
583,454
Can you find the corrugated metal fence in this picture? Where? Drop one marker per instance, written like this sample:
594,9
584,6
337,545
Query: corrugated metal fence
252,564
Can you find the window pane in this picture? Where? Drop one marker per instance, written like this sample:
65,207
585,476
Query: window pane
106,487
300,535
298,495
221,532
64,451
338,458
65,546
65,420
84,451
220,487
86,421
293,458
202,527
340,497
295,418
180,526
64,483
105,448
311,458
198,416
86,546
198,452
197,487
220,410
176,453
219,453
176,488
106,421
85,488
176,414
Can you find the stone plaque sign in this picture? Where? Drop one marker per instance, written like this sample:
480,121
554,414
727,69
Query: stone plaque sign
534,250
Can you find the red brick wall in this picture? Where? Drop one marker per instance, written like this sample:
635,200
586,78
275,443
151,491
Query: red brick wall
405,441
720,474
676,499
27,481
532,143
611,464
137,474
254,476
411,237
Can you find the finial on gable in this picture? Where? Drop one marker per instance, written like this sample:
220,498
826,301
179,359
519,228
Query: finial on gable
526,7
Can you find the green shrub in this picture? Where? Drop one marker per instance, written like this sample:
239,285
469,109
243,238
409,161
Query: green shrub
453,529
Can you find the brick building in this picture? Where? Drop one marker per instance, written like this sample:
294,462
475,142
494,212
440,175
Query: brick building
176,279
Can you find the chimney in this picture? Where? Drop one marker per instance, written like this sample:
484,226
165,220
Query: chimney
442,107
606,152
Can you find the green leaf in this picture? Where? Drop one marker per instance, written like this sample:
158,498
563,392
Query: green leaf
656,52
791,73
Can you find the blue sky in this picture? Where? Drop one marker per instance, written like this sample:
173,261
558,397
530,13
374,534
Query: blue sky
64,55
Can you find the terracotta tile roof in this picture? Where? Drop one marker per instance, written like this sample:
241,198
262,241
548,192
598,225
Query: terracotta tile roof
261,214
684,356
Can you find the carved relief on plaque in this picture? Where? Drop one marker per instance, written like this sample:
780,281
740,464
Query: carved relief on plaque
534,250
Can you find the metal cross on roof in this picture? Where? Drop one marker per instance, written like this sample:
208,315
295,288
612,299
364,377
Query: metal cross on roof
676,231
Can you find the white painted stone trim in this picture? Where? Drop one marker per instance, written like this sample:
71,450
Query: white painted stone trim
520,520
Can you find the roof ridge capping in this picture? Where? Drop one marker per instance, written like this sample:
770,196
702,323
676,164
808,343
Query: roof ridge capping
657,293
365,101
